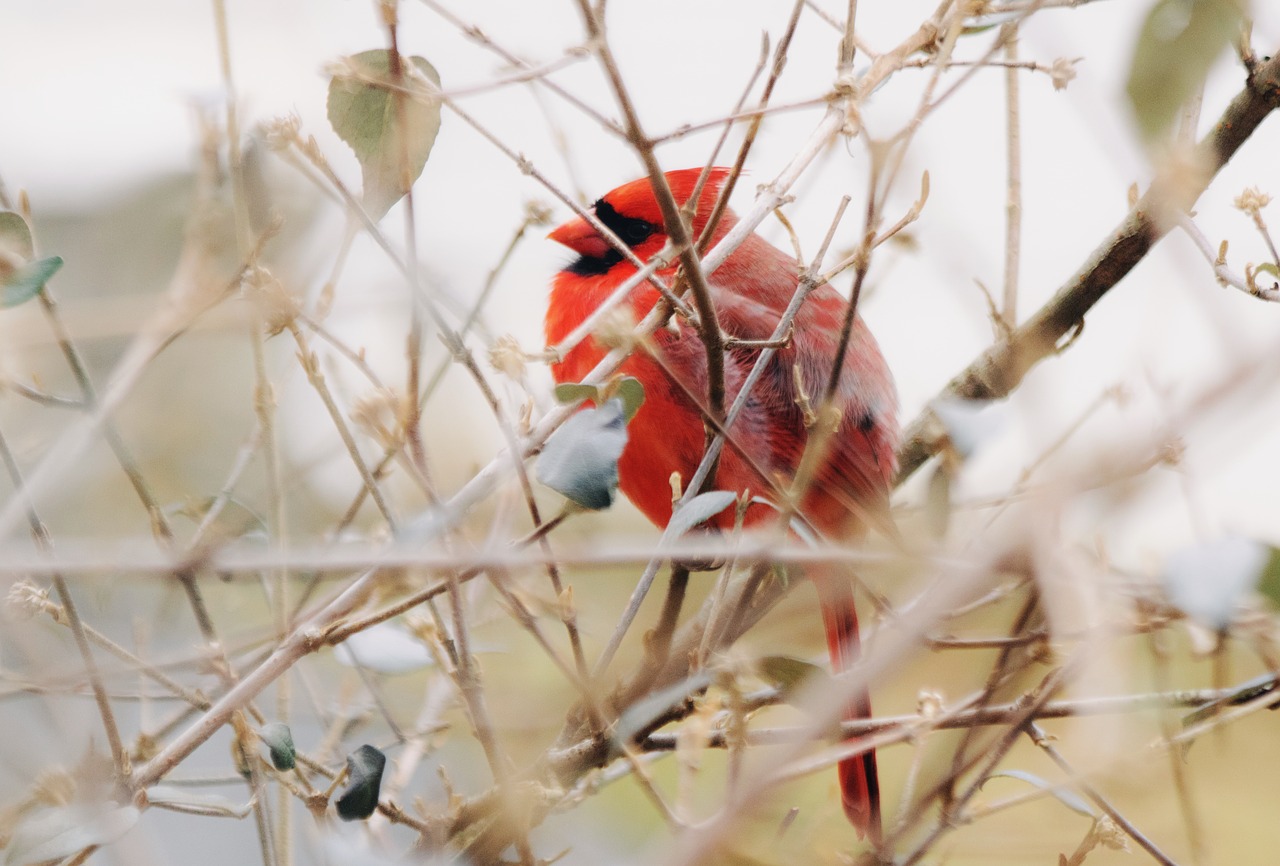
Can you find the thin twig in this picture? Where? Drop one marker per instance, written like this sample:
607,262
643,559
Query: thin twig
1042,740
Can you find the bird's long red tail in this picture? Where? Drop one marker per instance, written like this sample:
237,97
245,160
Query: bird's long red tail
859,784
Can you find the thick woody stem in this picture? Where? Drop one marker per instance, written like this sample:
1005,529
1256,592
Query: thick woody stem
1000,369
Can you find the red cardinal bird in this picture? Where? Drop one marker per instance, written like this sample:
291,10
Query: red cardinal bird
750,292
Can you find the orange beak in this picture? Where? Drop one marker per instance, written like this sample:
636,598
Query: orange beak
578,235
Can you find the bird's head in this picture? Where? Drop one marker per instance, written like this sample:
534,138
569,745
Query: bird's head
631,212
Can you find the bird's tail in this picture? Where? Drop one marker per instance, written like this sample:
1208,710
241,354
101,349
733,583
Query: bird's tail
859,784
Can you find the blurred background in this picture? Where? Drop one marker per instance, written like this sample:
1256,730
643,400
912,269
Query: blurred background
107,109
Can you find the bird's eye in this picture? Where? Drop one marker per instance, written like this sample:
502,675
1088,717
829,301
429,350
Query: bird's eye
631,230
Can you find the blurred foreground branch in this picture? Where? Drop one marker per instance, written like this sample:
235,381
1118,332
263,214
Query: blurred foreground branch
1000,369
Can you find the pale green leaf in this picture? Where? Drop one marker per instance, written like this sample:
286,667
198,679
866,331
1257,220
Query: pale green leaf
788,673
629,390
572,392
15,238
1179,41
390,125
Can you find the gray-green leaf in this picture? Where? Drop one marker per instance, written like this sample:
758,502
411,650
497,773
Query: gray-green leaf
279,741
1064,796
27,281
580,460
700,508
390,125
21,279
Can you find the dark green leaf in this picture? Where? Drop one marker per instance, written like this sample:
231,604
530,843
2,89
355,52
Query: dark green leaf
391,125
1064,796
279,740
27,281
580,460
1179,41
359,798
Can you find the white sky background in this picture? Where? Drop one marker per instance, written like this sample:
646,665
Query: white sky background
96,97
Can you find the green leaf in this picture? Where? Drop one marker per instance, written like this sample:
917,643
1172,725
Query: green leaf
390,125
20,278
27,281
1269,582
1268,268
626,389
1179,41
52,834
359,798
629,390
573,392
580,460
788,673
1064,796
279,740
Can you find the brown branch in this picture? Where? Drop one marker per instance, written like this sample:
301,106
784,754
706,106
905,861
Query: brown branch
1000,369
907,726
1041,739
672,219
